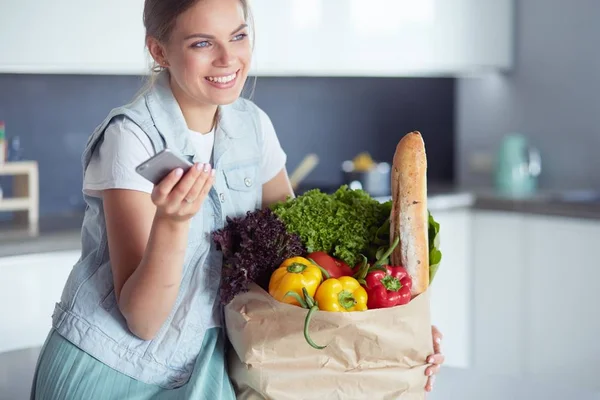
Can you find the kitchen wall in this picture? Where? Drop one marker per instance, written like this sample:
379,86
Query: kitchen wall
553,96
334,117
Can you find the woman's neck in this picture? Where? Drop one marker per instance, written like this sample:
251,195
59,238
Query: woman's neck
198,117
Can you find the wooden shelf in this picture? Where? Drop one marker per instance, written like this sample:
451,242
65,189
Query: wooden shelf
14,204
25,190
18,168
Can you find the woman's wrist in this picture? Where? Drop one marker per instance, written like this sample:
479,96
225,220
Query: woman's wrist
170,223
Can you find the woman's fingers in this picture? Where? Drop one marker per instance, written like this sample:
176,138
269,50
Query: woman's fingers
161,192
180,191
206,187
432,370
429,385
202,180
181,194
437,339
437,359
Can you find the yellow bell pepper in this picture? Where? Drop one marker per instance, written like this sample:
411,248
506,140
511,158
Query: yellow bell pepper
294,274
342,294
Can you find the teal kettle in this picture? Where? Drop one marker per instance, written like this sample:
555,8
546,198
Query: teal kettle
518,166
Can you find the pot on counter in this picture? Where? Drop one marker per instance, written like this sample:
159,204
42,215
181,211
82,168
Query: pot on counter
368,175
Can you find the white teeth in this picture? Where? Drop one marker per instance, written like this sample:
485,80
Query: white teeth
222,79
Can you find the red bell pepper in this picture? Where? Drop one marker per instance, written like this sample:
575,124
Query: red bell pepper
386,286
336,268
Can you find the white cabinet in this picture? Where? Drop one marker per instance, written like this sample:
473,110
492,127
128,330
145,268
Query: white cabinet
498,255
30,286
382,37
72,36
293,37
563,300
450,290
536,297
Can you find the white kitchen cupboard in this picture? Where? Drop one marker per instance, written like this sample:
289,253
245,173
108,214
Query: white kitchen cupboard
450,290
563,300
499,249
30,286
536,297
382,37
72,37
293,37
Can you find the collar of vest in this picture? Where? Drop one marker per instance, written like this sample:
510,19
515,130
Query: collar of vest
167,117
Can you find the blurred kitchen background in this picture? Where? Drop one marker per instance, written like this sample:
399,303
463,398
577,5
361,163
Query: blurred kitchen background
505,93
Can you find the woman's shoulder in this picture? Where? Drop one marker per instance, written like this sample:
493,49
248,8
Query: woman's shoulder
123,129
112,165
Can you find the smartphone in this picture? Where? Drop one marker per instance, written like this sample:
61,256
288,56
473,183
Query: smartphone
157,167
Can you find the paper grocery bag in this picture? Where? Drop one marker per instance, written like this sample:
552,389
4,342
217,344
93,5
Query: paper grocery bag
376,354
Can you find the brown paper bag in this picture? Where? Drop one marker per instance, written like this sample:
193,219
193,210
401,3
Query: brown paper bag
375,354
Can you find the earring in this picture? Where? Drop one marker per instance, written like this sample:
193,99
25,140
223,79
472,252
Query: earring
160,66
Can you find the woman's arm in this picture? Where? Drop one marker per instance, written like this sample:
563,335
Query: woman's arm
277,189
147,239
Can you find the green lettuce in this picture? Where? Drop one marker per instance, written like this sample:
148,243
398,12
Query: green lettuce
342,224
346,224
435,255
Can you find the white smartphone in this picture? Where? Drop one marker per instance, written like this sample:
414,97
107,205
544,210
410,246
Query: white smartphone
157,167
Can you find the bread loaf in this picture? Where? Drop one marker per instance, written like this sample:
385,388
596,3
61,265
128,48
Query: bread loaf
409,217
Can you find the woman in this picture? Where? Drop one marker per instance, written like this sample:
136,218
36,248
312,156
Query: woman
139,316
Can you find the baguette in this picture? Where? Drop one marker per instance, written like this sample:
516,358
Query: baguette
409,216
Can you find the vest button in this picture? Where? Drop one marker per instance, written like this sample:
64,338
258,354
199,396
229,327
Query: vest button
248,182
222,197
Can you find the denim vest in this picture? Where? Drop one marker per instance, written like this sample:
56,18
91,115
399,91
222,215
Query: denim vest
88,314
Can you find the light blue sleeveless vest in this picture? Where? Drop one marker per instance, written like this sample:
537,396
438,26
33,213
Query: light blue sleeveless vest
88,314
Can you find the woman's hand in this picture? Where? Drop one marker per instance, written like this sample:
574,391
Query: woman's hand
436,359
178,196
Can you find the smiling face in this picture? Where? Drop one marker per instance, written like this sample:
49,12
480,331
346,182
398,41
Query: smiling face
207,52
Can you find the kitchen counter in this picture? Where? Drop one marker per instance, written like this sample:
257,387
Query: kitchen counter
50,234
16,373
570,204
546,203
63,232
584,204
445,200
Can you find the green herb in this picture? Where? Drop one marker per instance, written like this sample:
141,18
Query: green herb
343,224
435,255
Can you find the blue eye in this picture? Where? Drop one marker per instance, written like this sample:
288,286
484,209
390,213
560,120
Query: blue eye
240,36
201,44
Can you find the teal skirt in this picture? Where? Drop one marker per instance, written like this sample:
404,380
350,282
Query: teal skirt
66,372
